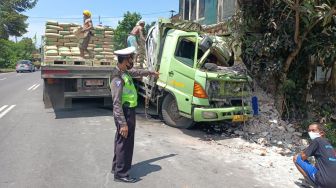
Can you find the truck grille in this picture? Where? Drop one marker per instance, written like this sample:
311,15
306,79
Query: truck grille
226,94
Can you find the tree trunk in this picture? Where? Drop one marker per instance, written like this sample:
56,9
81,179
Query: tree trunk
332,82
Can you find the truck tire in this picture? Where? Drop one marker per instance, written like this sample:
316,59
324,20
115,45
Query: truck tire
171,116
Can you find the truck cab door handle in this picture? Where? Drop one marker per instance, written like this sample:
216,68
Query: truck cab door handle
171,73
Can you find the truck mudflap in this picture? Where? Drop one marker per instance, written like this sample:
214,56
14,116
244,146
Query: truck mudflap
234,114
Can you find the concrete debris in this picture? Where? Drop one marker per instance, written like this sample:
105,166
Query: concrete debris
269,129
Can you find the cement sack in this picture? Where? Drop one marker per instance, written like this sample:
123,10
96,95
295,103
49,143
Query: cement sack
106,53
98,49
99,56
51,39
109,32
108,46
75,53
74,49
74,40
52,22
99,28
61,40
53,35
108,50
52,58
64,32
109,36
51,52
51,48
50,43
65,53
54,27
51,31
70,44
69,36
109,56
66,24
63,49
78,33
92,45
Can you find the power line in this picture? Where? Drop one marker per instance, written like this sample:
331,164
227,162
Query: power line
74,18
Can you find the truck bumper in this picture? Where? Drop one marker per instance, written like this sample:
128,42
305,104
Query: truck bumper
88,94
220,114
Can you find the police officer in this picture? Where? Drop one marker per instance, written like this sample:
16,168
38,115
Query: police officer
124,98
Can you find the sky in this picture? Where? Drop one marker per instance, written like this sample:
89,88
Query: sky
110,11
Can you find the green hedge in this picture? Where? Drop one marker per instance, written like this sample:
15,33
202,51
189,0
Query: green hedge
12,52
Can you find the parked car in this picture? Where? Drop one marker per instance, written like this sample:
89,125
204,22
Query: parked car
25,65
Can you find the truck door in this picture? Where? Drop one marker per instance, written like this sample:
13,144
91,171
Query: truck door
181,74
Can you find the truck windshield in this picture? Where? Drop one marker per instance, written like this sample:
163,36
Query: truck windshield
185,51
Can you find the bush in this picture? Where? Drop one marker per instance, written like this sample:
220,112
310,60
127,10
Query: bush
331,133
12,52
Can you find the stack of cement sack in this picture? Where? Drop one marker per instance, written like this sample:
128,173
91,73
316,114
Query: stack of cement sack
61,43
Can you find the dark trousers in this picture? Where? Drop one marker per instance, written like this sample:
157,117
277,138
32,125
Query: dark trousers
123,147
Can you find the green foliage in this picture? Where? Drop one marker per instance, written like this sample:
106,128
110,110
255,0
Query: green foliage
12,22
11,52
266,31
331,133
289,85
125,26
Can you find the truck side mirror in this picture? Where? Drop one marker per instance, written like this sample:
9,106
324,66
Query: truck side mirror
206,43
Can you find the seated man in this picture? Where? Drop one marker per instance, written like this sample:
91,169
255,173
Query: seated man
324,173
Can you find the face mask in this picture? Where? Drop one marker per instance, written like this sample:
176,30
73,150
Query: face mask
314,135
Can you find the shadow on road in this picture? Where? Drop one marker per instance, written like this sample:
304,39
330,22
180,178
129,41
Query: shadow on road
144,168
84,108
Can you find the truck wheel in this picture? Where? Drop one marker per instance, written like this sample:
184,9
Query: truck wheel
171,116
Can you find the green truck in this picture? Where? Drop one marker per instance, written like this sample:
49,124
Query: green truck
197,81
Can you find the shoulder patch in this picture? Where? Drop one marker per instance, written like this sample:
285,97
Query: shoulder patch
118,83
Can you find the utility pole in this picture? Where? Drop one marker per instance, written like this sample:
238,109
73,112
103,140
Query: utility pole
172,13
100,23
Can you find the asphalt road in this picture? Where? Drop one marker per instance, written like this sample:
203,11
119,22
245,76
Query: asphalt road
74,148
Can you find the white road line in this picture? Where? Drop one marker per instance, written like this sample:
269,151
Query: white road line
3,107
3,78
6,111
31,87
36,87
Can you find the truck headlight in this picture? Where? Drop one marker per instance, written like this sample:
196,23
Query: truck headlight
209,115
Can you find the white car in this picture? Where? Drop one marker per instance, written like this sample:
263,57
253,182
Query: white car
25,65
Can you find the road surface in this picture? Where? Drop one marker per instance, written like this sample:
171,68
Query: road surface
74,148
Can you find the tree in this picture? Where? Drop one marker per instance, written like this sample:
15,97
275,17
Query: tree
287,39
125,26
11,52
12,21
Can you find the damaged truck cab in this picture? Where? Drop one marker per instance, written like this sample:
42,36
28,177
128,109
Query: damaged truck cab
196,82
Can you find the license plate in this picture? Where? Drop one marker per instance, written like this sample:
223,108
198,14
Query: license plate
238,118
94,82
